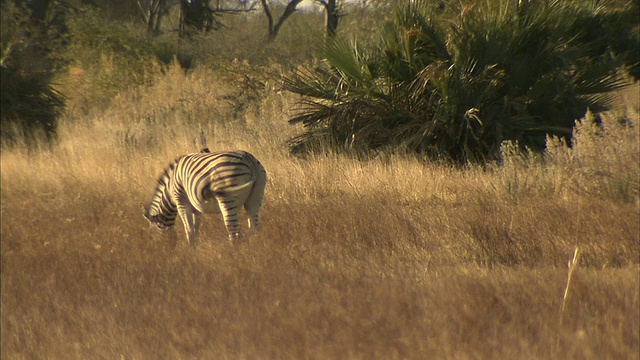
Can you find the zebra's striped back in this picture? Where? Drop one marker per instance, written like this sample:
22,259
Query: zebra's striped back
208,182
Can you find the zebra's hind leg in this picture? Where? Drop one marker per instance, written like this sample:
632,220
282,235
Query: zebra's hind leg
254,201
229,210
253,214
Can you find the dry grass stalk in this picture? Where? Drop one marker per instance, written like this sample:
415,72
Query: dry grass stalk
572,264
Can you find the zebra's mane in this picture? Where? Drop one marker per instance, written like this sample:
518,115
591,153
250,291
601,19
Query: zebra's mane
166,173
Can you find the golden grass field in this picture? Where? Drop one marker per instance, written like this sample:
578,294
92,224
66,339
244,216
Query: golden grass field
388,258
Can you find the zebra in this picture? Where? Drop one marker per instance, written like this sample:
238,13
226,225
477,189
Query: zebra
208,182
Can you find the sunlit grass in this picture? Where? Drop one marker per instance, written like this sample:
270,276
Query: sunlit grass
385,258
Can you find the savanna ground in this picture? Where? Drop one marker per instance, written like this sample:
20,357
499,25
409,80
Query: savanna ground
386,258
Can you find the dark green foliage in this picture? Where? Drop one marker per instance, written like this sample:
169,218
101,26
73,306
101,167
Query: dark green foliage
31,36
455,83
197,15
41,38
612,30
30,107
121,10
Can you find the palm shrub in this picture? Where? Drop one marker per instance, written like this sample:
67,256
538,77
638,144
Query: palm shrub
455,83
613,31
30,104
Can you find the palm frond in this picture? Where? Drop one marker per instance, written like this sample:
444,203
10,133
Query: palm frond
457,84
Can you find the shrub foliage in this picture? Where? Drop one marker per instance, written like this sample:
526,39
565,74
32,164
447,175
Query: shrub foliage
455,82
30,104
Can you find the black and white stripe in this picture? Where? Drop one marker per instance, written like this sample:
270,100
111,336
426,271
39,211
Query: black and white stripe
206,182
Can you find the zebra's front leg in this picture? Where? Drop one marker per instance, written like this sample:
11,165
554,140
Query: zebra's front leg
191,221
196,225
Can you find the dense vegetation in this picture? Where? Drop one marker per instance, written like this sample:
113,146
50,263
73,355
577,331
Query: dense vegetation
30,103
447,80
456,81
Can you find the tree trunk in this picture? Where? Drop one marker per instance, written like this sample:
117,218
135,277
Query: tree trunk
155,11
196,14
288,11
331,17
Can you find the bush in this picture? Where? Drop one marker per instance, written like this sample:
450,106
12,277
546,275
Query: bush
30,104
455,83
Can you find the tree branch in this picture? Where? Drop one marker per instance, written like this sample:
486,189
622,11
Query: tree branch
267,12
288,11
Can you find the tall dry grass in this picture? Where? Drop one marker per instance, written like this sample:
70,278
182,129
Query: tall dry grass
386,258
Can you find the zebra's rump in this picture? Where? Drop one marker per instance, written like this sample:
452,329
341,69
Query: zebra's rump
206,177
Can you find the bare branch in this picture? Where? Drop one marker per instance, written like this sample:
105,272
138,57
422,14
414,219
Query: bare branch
288,11
143,12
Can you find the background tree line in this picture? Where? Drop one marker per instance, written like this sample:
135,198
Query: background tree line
41,38
445,79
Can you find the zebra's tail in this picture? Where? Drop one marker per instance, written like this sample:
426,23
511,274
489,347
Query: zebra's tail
230,190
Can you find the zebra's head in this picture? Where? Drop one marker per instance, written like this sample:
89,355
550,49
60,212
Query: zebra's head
162,218
162,211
